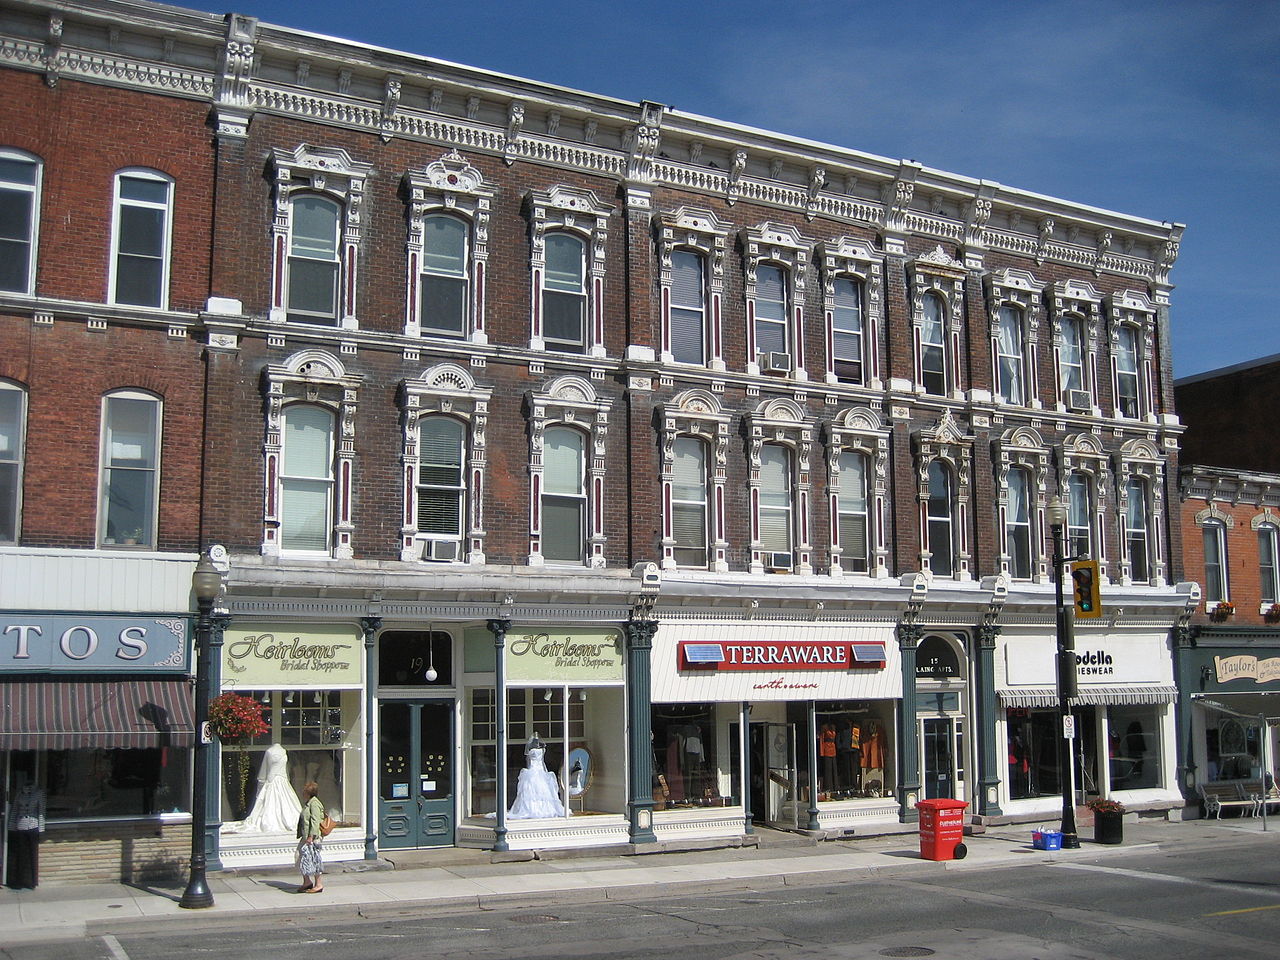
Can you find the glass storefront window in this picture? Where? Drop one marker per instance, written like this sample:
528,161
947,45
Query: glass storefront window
685,767
855,750
1034,739
97,784
1133,746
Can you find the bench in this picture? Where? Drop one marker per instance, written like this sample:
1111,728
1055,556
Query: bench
1216,796
1254,790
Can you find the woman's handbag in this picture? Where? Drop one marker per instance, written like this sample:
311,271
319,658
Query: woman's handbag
327,825
302,819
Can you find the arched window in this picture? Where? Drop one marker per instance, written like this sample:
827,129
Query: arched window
853,511
306,479
775,506
689,514
939,532
564,495
564,294
1079,516
688,307
140,239
771,309
314,264
445,286
1071,361
1213,534
1128,401
13,432
130,487
19,207
442,491
1267,571
847,329
1018,523
1137,534
1010,364
933,346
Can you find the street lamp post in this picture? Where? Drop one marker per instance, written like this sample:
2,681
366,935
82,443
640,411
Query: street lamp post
1057,514
205,584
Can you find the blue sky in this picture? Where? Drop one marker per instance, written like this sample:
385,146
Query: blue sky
1168,110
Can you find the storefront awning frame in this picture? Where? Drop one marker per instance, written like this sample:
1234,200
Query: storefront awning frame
1088,696
96,714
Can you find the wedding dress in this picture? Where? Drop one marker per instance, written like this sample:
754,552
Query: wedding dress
538,790
276,807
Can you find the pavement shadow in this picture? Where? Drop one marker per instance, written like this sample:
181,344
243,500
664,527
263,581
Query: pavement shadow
284,886
163,893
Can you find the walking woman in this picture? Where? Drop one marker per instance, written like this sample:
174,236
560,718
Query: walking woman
309,861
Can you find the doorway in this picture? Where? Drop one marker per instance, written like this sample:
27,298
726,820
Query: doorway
773,774
415,773
939,746
1085,754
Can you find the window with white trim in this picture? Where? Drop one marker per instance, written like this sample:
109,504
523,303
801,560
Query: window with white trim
569,241
1267,569
853,512
939,531
20,176
314,267
1071,355
689,502
130,475
1213,534
564,294
933,346
691,314
1080,516
688,307
776,266
1017,529
445,283
1137,530
306,479
1128,393
13,432
564,495
140,239
847,329
771,309
442,486
1010,357
775,507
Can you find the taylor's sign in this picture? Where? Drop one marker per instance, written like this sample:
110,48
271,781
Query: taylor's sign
815,655
72,643
299,656
567,656
1247,668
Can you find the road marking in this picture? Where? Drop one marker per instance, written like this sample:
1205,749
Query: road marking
113,945
1166,877
1227,913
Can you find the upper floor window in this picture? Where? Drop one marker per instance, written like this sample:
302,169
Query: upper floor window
1079,516
445,283
19,199
564,495
1018,523
1267,571
1071,359
775,508
854,512
1137,533
314,265
13,423
306,479
129,493
441,486
688,307
1010,364
564,294
933,346
1127,379
847,329
140,240
689,513
1215,561
939,532
771,309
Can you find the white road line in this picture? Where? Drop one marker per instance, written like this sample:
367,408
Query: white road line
1166,877
113,945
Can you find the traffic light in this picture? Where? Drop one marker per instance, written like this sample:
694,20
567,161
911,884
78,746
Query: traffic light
1084,579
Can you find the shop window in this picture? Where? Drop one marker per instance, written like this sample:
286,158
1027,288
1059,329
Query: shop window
1018,523
1213,535
689,514
130,470
13,431
1034,741
20,176
564,496
445,282
306,479
855,751
106,783
854,513
686,768
688,307
1267,570
1233,747
564,294
140,239
1079,516
933,346
1133,746
1136,531
939,532
847,329
415,658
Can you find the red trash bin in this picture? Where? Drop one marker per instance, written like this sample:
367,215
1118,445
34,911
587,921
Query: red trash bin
942,829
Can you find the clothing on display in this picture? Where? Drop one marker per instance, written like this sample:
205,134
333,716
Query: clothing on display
276,806
26,824
851,756
538,790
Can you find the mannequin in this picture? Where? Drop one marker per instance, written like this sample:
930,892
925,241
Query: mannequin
538,791
276,806
26,825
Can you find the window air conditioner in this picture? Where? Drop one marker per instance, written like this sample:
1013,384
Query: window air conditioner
778,561
775,362
1079,400
440,550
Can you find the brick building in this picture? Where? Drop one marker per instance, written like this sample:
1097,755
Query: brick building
721,458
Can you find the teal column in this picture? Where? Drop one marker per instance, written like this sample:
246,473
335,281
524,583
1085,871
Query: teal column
908,740
369,626
218,624
813,765
499,630
748,826
990,767
640,726
1186,674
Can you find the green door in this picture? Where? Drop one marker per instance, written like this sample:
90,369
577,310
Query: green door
415,773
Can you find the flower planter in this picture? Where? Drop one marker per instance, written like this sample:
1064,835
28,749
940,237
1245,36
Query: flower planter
1108,827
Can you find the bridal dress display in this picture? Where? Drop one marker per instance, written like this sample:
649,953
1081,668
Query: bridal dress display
276,807
538,791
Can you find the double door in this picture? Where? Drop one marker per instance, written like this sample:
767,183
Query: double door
942,745
415,773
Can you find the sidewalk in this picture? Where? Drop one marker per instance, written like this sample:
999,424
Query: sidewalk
455,879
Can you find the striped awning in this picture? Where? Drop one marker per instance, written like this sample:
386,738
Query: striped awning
88,714
1088,696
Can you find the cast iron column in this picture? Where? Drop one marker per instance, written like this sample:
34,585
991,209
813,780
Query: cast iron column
218,624
813,766
205,584
499,630
1066,683
908,741
369,626
989,766
640,716
748,825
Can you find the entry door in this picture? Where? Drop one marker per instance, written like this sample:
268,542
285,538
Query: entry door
415,773
939,758
773,773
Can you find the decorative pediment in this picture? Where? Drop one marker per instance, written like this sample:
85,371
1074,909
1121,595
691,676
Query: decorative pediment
570,389
451,173
769,234
693,403
1023,437
321,163
569,201
1266,518
1140,448
1075,289
311,365
858,420
1211,512
947,430
938,257
445,376
1131,300
1016,279
780,409
1083,444
691,220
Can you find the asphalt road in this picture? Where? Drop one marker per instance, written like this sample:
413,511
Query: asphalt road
1216,902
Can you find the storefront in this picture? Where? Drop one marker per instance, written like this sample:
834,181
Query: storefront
1124,745
96,717
784,723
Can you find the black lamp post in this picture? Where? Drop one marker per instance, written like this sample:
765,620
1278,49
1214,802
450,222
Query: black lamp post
1057,514
206,581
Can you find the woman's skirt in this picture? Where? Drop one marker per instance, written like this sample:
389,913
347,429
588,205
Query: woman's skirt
309,859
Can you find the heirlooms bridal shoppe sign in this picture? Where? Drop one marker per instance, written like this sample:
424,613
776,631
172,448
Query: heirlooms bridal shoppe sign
564,656
299,656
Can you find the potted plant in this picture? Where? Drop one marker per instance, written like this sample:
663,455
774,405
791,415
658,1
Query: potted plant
1223,610
1272,614
235,720
1108,820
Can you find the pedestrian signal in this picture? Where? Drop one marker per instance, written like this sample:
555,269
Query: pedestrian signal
1084,578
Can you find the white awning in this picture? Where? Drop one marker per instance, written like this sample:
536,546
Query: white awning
1088,696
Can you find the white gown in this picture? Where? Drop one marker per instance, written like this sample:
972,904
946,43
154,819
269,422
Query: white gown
538,790
276,807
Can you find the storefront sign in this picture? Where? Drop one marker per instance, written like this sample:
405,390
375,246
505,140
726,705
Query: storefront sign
816,655
538,655
1094,663
936,659
1247,668
78,644
316,656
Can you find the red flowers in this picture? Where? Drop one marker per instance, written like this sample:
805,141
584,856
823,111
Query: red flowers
236,719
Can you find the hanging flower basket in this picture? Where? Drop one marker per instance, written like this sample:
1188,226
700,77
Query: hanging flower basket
1224,610
1272,613
235,721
